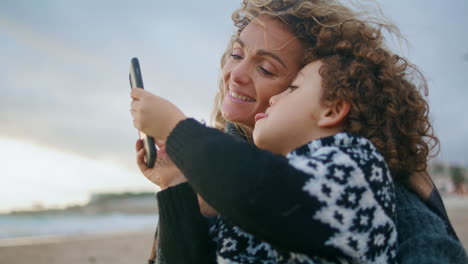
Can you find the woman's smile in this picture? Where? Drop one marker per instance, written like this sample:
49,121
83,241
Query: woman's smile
239,96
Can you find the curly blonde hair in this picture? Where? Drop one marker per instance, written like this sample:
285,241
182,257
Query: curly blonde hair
386,92
304,18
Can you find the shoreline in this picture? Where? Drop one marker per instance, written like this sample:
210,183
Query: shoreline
123,247
57,239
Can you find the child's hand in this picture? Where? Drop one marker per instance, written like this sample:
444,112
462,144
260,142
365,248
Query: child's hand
205,208
154,115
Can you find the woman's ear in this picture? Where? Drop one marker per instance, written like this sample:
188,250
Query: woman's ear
334,114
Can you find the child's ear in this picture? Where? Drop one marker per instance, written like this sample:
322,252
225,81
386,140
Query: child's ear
334,114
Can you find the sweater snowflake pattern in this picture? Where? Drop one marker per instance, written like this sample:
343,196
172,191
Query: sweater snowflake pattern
350,186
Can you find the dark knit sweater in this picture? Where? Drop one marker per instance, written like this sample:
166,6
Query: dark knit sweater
334,195
180,245
423,236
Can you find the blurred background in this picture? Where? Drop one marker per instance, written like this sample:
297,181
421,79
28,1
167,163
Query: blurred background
66,136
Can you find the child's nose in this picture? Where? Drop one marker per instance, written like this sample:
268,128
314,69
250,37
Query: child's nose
273,99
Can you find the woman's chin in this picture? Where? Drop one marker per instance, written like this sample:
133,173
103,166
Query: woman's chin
228,116
233,114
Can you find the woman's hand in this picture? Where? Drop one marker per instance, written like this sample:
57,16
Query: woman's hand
154,115
164,173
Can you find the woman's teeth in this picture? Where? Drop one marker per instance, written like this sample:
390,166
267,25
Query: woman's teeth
243,98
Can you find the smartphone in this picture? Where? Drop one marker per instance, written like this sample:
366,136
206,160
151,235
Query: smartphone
136,81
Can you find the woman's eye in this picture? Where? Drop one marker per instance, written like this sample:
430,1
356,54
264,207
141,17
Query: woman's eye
265,71
236,56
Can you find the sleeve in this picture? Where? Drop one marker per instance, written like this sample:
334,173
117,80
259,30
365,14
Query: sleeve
421,234
183,231
255,189
431,248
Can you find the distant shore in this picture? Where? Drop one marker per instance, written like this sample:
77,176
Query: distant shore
126,202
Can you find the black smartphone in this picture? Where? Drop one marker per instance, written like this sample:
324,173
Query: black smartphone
136,81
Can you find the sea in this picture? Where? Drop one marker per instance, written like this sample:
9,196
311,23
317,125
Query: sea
69,224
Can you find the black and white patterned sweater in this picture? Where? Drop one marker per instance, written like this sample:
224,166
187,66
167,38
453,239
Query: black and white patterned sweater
335,195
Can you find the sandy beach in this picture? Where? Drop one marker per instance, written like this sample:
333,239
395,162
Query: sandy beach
121,248
457,210
134,247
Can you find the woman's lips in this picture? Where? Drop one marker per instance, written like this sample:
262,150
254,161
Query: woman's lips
260,116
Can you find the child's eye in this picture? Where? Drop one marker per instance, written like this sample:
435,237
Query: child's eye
292,88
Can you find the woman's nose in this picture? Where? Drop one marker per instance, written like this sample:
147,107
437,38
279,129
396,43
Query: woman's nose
241,73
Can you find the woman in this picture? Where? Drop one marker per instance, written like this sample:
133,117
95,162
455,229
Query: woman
273,59
265,67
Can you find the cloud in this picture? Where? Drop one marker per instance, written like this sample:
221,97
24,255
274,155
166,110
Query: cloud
66,97
85,116
56,178
54,49
67,75
65,80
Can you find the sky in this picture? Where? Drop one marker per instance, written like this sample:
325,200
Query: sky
65,124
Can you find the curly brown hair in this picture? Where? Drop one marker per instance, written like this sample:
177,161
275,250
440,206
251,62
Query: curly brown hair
386,92
387,107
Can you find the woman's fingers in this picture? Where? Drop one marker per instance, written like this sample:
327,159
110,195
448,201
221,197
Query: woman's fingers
138,144
150,173
141,160
164,173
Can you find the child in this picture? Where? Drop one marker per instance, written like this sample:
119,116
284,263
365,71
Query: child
334,188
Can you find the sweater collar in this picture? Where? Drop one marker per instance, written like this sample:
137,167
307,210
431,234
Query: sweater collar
231,129
342,139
